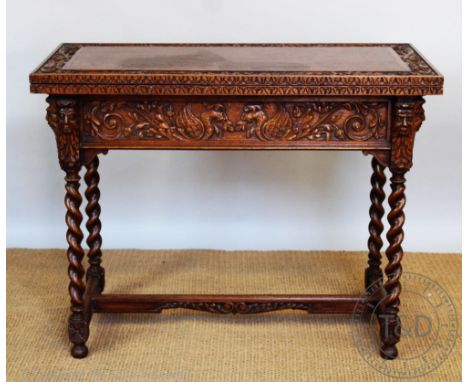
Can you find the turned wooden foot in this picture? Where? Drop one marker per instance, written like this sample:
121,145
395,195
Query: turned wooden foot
79,351
373,274
78,330
93,225
390,325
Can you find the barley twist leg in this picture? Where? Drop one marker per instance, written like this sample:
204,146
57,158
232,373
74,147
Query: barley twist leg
390,325
78,330
373,274
93,225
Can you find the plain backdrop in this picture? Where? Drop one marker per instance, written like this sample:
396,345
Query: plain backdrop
233,200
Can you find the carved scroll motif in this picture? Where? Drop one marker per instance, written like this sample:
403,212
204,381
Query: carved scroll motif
270,121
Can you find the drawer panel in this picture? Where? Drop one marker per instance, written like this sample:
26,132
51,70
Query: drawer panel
270,124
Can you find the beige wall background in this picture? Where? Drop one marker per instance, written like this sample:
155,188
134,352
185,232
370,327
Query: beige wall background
233,200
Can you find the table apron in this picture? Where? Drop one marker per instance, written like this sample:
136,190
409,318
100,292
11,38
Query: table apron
207,123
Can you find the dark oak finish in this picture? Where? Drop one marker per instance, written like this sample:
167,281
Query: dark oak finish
365,97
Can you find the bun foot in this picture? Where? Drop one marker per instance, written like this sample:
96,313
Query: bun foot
79,351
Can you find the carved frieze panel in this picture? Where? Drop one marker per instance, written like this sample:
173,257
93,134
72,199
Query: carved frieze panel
241,123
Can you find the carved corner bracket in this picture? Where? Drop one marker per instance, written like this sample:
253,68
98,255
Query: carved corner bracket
63,118
383,157
88,155
408,116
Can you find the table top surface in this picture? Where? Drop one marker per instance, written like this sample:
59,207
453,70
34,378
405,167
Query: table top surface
317,66
236,58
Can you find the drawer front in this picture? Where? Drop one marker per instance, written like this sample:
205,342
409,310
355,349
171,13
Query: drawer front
268,124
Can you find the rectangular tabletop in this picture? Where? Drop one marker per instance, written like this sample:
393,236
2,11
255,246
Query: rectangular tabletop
237,58
237,69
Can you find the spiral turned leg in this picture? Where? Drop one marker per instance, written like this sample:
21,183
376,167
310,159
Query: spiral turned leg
93,225
77,325
373,274
390,325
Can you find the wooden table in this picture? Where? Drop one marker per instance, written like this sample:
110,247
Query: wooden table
363,97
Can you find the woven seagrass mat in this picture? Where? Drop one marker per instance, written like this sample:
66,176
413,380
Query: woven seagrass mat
182,345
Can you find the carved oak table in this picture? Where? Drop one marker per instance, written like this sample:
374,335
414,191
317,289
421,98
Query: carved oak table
364,97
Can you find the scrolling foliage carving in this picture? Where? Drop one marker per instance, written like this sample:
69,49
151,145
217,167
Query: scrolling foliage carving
268,121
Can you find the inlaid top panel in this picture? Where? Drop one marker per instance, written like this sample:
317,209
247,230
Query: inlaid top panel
237,58
237,69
